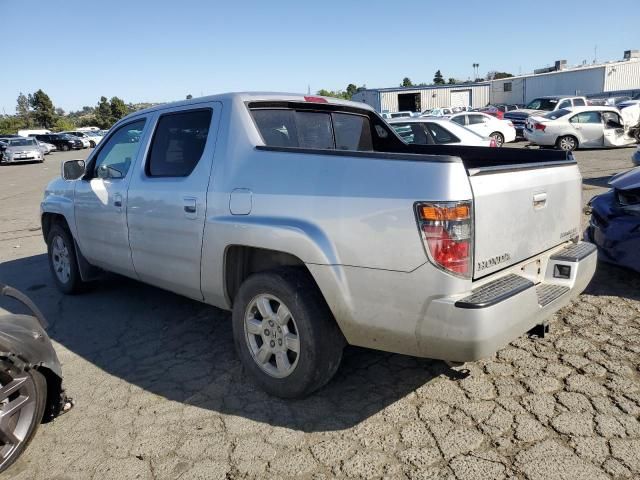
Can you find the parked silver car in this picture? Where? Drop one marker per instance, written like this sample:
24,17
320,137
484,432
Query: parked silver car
20,150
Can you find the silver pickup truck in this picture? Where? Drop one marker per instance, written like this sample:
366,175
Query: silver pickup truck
318,227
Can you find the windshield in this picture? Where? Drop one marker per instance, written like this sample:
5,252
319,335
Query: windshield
22,142
557,114
543,104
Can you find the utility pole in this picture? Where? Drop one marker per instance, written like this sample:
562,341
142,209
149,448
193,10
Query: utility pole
595,54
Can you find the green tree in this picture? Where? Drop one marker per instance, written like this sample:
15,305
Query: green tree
103,113
333,93
43,111
118,109
406,82
452,81
438,79
189,97
63,123
22,110
351,90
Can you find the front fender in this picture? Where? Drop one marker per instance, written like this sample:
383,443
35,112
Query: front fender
24,341
58,199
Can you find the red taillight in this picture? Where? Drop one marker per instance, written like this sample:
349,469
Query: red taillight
539,126
315,99
445,228
492,142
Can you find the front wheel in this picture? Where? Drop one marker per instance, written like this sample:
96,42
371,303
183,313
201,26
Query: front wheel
62,260
567,143
498,137
92,144
285,334
23,396
64,148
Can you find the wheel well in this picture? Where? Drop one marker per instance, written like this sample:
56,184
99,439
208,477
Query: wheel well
242,261
54,392
49,219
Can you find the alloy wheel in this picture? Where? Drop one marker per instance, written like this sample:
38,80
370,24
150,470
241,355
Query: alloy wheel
17,411
272,335
567,143
60,259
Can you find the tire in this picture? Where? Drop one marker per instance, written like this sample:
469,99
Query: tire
309,327
498,137
64,148
567,143
25,421
62,260
92,144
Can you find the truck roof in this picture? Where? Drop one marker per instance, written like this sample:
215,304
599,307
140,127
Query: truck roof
252,97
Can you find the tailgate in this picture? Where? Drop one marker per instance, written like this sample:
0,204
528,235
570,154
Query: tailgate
522,212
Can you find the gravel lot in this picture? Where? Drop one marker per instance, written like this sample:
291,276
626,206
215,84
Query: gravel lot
160,393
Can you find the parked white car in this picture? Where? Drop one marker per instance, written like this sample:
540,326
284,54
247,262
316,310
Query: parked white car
502,131
437,112
46,148
438,131
89,138
579,127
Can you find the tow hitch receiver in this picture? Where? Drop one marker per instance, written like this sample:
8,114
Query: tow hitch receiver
540,330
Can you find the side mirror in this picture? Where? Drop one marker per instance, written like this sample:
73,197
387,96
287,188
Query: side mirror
73,169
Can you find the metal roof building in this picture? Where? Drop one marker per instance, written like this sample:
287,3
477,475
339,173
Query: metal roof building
418,99
597,80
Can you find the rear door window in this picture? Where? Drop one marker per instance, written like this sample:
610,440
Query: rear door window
178,143
459,119
440,134
353,132
477,119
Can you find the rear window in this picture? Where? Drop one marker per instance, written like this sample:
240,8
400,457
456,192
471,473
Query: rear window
178,143
315,130
557,114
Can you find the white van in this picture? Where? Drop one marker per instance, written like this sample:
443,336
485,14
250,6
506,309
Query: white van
37,131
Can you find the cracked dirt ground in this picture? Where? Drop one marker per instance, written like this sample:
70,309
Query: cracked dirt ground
160,393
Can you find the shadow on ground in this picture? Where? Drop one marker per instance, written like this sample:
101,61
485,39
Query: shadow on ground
598,181
182,350
611,280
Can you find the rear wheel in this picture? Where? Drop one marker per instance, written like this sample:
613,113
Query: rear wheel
23,396
92,144
284,333
498,137
62,260
567,143
64,148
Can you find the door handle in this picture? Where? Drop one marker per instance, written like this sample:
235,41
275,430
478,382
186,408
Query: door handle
117,201
540,200
190,207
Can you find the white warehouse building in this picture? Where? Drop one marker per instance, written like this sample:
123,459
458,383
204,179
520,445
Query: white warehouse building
599,80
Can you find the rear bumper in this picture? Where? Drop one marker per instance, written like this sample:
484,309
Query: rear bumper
539,139
410,313
477,325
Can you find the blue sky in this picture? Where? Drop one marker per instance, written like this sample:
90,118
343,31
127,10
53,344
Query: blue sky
162,50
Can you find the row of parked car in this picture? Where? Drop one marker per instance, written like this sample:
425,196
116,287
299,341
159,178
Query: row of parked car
565,123
33,148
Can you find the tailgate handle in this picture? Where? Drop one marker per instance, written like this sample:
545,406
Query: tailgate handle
540,200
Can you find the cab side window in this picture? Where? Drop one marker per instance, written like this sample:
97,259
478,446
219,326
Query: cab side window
178,143
564,104
114,158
